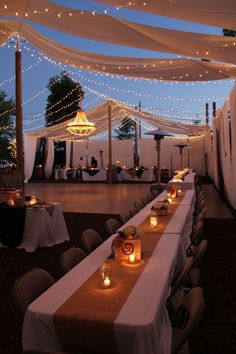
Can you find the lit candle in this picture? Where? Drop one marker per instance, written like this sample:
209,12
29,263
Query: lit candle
179,191
170,200
132,258
105,271
153,218
106,283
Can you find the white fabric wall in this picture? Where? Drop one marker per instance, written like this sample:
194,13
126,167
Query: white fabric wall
170,154
215,154
30,142
122,151
209,151
49,158
68,146
227,156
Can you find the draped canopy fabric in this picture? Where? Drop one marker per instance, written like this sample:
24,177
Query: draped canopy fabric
115,30
99,115
209,12
151,68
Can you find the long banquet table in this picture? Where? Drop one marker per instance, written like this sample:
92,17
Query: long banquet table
141,324
187,183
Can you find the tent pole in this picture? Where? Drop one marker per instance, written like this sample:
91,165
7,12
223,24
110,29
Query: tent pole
109,144
19,125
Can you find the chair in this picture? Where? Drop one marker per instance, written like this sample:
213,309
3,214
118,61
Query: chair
133,212
124,217
200,251
138,204
196,237
187,319
70,258
90,240
29,286
144,200
200,216
112,225
184,276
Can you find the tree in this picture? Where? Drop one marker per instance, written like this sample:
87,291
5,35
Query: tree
230,33
7,129
64,100
126,130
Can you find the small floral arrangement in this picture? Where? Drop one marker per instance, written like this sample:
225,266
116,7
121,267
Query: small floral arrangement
159,206
128,233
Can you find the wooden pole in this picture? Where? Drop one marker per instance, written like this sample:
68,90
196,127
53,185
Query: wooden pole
19,125
136,163
109,144
158,146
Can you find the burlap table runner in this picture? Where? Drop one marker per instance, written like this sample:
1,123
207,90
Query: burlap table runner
85,321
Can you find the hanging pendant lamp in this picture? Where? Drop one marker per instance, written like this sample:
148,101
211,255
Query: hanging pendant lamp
80,125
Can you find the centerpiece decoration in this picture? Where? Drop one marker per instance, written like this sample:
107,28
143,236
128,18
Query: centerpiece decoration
160,208
127,243
171,191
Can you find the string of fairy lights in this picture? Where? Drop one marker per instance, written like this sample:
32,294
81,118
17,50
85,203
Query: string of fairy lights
92,91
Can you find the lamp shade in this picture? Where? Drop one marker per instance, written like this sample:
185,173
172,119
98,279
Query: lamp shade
80,125
159,134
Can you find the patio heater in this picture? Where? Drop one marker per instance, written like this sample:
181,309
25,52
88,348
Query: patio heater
159,134
181,146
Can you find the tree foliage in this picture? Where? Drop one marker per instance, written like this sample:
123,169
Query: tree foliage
126,130
228,32
7,129
64,100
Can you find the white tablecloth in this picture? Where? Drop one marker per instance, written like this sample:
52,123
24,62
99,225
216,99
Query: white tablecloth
42,229
145,331
146,176
187,183
101,175
60,173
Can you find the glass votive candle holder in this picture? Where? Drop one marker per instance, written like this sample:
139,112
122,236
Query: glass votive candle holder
132,258
105,275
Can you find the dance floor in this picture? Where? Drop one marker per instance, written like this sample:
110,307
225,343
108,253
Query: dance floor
111,198
90,197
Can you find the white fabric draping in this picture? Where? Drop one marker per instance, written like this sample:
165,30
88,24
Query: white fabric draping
118,31
30,142
215,150
211,12
209,152
68,149
49,158
159,69
224,144
99,115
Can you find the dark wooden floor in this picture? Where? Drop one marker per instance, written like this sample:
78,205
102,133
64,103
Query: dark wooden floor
113,199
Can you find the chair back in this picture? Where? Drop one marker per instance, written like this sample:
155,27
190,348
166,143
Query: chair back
70,258
29,286
201,249
138,204
112,225
180,279
190,314
197,234
133,212
90,240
